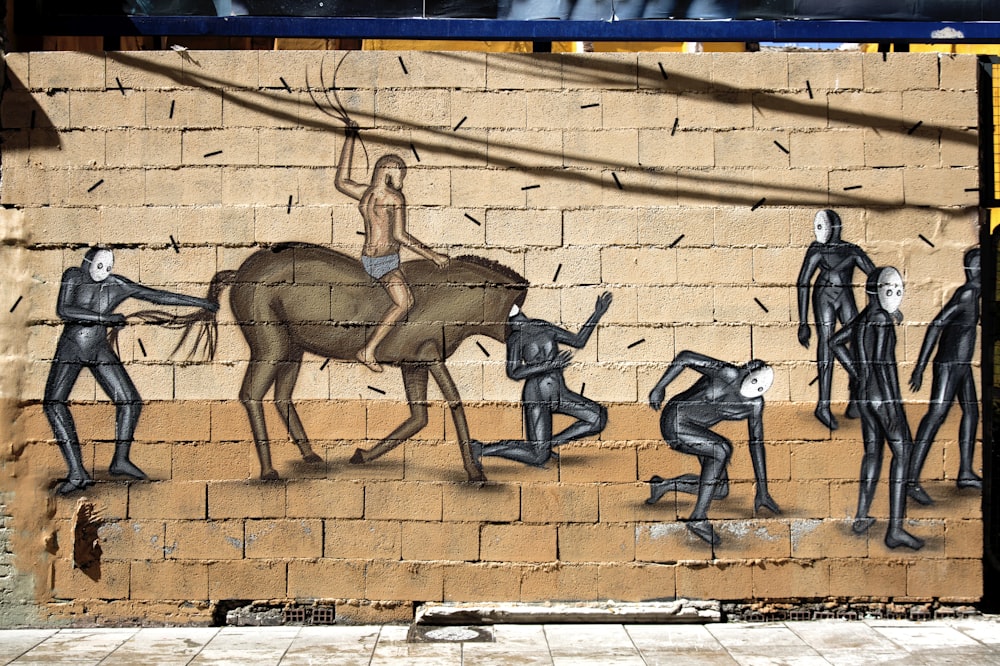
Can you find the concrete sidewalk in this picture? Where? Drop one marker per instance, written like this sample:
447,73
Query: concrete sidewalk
970,642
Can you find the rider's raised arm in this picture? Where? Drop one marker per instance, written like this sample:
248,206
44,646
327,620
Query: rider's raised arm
342,181
397,211
66,306
160,296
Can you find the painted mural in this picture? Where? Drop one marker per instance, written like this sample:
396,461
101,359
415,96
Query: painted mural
557,275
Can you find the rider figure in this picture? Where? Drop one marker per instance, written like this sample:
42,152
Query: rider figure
383,208
832,299
88,297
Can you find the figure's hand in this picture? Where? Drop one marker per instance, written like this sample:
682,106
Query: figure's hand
603,303
917,378
562,359
211,306
804,335
351,129
442,260
656,397
765,501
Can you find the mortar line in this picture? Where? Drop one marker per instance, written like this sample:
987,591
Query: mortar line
33,646
116,648
289,646
203,646
637,648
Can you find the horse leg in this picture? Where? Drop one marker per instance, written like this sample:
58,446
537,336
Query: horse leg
284,384
443,378
415,383
256,382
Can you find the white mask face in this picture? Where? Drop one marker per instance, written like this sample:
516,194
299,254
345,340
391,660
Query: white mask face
890,289
757,382
822,227
514,310
100,267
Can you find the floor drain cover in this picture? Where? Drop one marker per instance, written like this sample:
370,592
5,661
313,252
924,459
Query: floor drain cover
423,634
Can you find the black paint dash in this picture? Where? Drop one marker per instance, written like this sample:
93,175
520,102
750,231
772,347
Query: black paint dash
677,240
96,185
32,125
482,348
924,239
325,363
758,204
213,153
781,148
285,83
403,65
360,233
617,182
673,130
852,187
815,379
455,128
16,303
556,276
173,242
289,211
809,89
142,347
588,106
415,153
378,390
636,343
172,103
121,88
583,387
884,55
663,71
474,220
762,306
915,127
972,189
530,187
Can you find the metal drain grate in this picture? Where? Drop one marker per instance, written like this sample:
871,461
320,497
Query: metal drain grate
449,634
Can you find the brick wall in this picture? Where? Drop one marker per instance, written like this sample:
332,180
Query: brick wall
684,184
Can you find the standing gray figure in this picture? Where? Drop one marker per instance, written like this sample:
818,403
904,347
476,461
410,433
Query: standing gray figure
88,297
867,348
953,331
533,356
724,392
832,300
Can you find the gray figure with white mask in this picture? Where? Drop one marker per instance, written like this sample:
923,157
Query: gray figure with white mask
832,299
867,348
88,297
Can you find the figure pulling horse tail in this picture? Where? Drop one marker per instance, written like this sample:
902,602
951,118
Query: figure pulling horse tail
297,298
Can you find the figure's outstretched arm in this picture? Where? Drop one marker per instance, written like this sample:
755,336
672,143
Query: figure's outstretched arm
755,428
863,261
706,365
342,181
519,369
809,266
579,340
931,338
70,312
403,237
162,296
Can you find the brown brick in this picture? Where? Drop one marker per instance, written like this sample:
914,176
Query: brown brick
824,538
142,69
130,540
753,71
583,464
643,582
597,543
528,71
714,111
221,69
839,71
963,538
864,577
246,579
559,503
402,500
404,581
322,498
478,581
190,108
945,577
626,502
215,460
681,148
791,578
284,538
518,543
357,612
841,148
362,539
900,71
62,69
167,499
171,579
251,499
440,541
204,540
69,582
560,583
716,580
174,422
492,502
326,579
668,541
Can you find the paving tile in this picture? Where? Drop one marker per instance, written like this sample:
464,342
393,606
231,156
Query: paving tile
15,642
599,659
166,646
687,638
580,640
392,648
699,657
332,646
985,631
77,646
982,656
916,636
258,646
833,635
780,660
736,636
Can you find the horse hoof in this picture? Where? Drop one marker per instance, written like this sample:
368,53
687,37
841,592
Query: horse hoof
312,458
358,458
270,476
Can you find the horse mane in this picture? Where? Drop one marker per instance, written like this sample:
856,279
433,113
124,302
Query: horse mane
495,266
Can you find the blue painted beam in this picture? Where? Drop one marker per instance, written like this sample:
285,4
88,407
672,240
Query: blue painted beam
984,32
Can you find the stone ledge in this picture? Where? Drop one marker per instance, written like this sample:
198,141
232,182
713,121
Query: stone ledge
680,611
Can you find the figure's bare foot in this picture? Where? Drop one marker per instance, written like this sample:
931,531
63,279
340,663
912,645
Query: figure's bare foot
73,485
358,458
918,494
826,417
895,538
270,476
367,359
861,525
126,467
852,410
312,458
970,481
658,487
704,531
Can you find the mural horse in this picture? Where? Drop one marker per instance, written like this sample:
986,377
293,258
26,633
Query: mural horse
297,298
